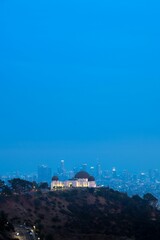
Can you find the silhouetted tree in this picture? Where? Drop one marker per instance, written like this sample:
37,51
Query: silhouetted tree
19,185
3,220
43,185
6,190
150,199
2,184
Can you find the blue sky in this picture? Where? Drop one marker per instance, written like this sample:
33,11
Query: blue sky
79,80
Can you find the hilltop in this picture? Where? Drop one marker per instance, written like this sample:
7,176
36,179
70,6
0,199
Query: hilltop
95,214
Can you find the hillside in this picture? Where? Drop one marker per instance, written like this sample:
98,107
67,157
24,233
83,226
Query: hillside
95,214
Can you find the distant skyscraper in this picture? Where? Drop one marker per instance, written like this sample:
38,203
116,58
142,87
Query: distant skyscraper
62,169
44,174
142,176
99,171
92,171
156,173
125,175
71,174
114,173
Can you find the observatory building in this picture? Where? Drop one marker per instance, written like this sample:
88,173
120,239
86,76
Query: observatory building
81,179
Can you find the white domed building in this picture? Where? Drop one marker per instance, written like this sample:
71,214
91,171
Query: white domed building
81,179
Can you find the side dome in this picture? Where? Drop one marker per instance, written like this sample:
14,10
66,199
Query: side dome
82,174
91,179
54,178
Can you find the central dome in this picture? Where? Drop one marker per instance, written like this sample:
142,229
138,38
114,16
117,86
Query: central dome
82,174
54,178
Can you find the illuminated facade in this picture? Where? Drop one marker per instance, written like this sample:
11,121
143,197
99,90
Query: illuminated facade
81,179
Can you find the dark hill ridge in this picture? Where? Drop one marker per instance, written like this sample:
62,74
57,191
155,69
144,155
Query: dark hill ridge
88,214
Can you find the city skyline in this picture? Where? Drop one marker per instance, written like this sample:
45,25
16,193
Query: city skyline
132,183
122,155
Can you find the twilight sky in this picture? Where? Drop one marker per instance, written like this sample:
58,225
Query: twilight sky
79,80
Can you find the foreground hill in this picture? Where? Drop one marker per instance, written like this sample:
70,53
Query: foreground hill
95,214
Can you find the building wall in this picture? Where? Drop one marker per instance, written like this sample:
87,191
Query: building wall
92,184
56,184
73,183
